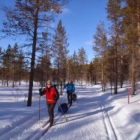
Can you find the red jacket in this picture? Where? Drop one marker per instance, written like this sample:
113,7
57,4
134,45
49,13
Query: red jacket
51,95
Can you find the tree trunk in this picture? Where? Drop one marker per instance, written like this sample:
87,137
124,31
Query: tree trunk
138,24
29,102
116,61
103,83
61,87
116,77
121,78
133,74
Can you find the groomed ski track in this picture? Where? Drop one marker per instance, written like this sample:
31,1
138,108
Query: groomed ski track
88,119
91,117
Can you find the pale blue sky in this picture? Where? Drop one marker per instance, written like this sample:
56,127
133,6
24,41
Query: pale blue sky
80,19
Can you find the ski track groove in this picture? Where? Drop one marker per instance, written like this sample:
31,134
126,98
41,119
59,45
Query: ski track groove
108,124
24,126
27,135
21,125
81,130
95,124
115,121
112,131
28,123
18,129
38,132
57,118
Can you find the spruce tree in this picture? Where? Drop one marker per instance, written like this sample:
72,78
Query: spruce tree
30,18
59,52
82,61
130,23
101,48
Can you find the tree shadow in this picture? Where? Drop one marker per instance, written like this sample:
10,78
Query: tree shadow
84,115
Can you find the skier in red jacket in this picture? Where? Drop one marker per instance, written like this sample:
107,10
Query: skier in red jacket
52,96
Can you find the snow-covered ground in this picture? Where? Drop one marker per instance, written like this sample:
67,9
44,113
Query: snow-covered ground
95,115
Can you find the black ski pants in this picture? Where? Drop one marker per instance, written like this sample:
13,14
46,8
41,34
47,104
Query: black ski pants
51,112
69,96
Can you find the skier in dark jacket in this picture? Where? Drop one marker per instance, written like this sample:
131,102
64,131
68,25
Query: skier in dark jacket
52,96
70,89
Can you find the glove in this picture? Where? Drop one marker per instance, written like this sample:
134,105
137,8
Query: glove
41,91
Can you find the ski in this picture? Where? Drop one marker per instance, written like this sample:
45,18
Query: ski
48,127
46,130
45,124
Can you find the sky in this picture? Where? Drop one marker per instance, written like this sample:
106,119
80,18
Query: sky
79,18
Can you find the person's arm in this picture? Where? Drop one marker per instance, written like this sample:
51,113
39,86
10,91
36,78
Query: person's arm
73,88
42,91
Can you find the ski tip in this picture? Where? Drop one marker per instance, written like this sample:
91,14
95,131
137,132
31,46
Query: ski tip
46,130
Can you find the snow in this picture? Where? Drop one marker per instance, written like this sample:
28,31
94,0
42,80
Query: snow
96,115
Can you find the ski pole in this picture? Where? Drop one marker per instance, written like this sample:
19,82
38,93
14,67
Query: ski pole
62,111
39,107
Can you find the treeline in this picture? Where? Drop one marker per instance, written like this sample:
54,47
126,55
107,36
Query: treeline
47,56
118,47
13,66
52,62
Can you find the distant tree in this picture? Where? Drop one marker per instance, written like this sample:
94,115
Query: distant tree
76,65
59,52
131,23
1,56
114,12
14,57
97,70
30,17
90,73
7,64
73,67
21,66
82,60
93,72
70,67
101,47
43,70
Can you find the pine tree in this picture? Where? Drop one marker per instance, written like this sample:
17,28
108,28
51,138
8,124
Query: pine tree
82,61
43,70
59,52
21,67
7,64
76,65
101,47
1,69
73,67
130,22
94,71
114,15
14,56
30,17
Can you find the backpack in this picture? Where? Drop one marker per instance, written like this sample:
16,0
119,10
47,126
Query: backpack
74,97
56,92
63,108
